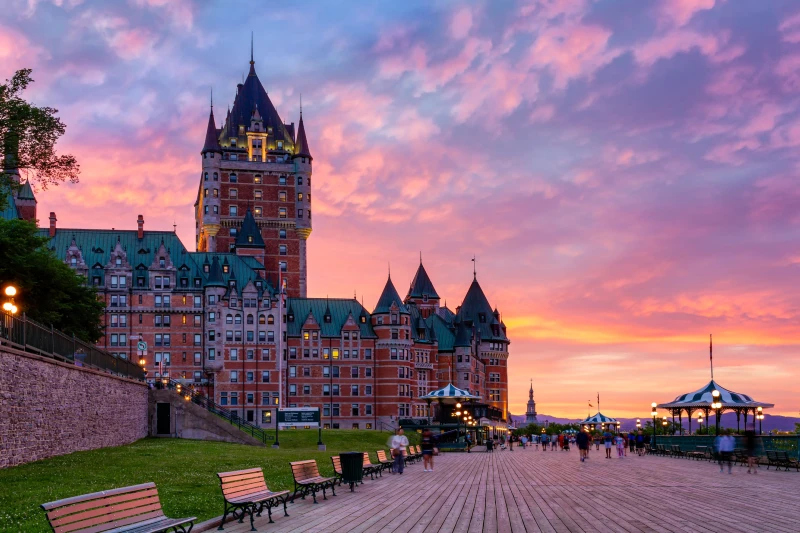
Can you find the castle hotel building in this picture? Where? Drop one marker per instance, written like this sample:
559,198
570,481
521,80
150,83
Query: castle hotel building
234,317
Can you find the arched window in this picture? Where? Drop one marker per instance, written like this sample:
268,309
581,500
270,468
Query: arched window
238,318
262,319
216,176
229,319
249,319
270,319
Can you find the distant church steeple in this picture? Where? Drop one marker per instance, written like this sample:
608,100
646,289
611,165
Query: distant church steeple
530,414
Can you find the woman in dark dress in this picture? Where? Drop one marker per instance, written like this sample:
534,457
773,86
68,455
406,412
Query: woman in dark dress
427,446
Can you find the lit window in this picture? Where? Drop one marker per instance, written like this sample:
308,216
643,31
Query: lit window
282,212
257,195
258,211
257,179
282,196
299,197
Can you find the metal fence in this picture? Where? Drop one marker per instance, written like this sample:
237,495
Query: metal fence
24,334
787,443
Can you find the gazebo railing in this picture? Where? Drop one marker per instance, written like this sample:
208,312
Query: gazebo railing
787,443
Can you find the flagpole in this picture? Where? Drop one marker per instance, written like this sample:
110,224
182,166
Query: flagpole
711,355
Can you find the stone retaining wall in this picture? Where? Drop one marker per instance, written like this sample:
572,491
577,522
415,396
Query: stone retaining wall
51,408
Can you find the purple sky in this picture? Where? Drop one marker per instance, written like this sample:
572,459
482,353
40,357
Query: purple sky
625,171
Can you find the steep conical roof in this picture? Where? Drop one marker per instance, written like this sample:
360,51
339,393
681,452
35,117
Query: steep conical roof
212,143
388,297
250,95
215,277
422,285
249,236
301,148
476,309
26,192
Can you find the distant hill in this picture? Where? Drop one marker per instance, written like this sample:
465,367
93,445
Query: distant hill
770,422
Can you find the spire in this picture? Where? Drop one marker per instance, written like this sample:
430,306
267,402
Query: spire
211,143
249,236
252,62
474,268
215,278
301,148
388,298
421,284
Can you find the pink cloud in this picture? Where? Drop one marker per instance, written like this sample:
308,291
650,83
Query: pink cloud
461,23
681,12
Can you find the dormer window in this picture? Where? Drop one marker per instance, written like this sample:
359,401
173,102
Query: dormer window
290,317
424,297
327,319
162,262
233,142
73,261
118,261
205,268
482,317
363,319
225,268
250,239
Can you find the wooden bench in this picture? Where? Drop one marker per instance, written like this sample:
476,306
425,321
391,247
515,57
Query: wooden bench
134,509
307,480
337,468
779,459
698,453
371,469
245,492
384,461
676,451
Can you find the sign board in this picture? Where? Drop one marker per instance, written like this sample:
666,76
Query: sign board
141,346
298,416
134,337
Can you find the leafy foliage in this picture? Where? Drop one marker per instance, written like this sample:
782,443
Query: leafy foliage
28,135
49,291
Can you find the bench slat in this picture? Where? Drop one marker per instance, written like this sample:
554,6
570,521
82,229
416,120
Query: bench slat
240,472
104,511
99,502
96,495
94,526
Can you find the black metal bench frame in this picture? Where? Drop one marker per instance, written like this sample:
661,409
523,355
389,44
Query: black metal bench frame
253,496
311,484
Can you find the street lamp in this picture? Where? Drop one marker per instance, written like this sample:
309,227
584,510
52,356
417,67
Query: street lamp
654,413
760,417
10,306
716,404
664,424
638,424
700,422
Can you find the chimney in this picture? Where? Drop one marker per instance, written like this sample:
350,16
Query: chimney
140,222
52,224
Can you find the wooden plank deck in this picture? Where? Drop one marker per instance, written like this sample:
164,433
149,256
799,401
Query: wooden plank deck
531,491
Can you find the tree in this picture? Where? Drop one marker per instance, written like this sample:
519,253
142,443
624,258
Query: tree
28,135
49,291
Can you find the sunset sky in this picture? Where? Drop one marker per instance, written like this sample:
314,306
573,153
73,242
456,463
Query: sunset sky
626,172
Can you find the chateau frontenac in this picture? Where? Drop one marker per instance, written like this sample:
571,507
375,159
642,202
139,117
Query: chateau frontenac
234,317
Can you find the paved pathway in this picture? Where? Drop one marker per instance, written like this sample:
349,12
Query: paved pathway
530,490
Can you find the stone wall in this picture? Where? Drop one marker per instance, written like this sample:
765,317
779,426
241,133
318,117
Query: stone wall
51,408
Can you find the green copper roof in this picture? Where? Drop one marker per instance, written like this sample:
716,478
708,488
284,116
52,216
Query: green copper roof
241,269
26,192
388,297
249,235
9,211
475,309
442,330
340,309
421,285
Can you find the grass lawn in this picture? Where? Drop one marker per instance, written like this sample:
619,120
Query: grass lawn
184,472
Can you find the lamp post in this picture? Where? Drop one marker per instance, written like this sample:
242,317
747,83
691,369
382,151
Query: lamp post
654,413
760,417
664,423
717,406
638,424
700,422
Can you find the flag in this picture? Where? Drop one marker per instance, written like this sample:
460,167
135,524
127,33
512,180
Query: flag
590,403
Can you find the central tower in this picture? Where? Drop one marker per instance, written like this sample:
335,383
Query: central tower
255,162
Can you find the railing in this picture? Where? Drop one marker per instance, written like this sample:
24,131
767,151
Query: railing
198,398
29,336
787,443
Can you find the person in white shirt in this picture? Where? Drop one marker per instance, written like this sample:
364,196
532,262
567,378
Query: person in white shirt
726,445
398,444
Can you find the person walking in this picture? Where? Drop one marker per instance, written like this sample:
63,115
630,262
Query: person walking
511,443
489,447
607,438
726,444
620,446
639,443
427,445
582,439
544,442
398,445
750,446
631,441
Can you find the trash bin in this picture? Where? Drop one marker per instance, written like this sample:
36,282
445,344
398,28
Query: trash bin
352,467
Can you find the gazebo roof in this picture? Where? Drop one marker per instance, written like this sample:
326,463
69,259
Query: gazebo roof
449,392
599,418
703,398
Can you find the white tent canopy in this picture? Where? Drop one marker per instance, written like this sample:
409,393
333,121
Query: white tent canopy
450,392
600,419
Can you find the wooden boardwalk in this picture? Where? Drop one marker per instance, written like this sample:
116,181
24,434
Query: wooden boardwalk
530,490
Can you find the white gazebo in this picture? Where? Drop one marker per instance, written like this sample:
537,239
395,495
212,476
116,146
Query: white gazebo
599,420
